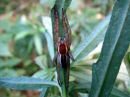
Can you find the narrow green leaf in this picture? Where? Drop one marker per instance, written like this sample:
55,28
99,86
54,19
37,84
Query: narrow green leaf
82,88
48,77
127,61
46,74
53,27
85,88
22,34
10,62
41,74
67,4
118,93
38,44
50,44
79,75
115,45
41,61
46,21
90,42
8,73
43,92
25,83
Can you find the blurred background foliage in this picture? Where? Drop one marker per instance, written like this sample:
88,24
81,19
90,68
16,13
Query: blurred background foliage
26,46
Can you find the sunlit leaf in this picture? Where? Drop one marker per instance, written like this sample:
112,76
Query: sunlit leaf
50,44
91,41
49,35
47,23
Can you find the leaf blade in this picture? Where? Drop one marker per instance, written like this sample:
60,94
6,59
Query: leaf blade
113,51
90,42
25,83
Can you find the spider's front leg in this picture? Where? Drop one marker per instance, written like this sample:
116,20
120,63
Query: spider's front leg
57,62
71,56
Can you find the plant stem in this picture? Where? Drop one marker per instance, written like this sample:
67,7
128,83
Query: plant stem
64,91
60,5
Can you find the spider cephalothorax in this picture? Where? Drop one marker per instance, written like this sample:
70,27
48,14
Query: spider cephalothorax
62,46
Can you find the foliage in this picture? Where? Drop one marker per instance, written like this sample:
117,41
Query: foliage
27,46
110,61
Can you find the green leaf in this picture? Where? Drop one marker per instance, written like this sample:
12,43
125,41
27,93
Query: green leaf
25,83
82,87
47,23
46,74
43,92
41,61
115,45
49,35
38,44
49,44
67,4
6,37
4,50
8,73
80,75
85,88
23,48
60,5
10,62
127,61
5,24
90,42
22,34
118,93
40,74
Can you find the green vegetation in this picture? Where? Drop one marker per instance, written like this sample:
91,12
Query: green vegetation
27,49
